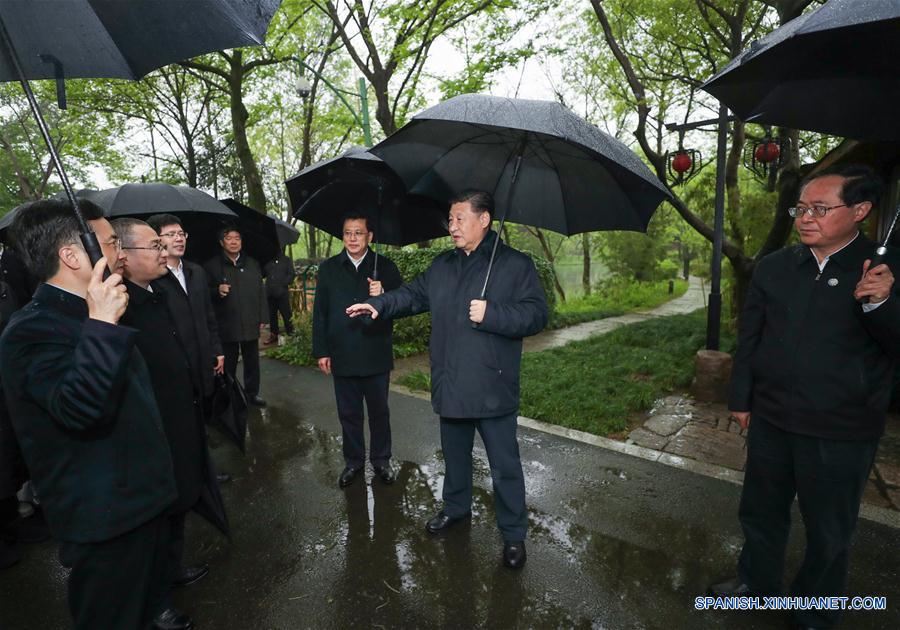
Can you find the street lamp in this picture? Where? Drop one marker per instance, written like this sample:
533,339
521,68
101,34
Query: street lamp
362,118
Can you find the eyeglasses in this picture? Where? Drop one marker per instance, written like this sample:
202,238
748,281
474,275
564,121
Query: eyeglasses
114,242
159,247
178,234
813,211
354,234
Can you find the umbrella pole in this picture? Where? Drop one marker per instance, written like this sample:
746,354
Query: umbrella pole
88,238
512,185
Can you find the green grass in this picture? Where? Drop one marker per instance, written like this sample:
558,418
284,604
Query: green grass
596,384
613,297
417,379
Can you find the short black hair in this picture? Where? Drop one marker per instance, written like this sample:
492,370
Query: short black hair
159,221
356,215
480,200
124,226
42,227
229,228
861,183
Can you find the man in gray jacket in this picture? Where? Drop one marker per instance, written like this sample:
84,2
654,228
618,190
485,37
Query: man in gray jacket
476,351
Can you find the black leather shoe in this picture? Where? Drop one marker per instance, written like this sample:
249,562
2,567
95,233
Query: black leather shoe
734,587
172,619
348,476
223,477
191,575
440,521
514,555
32,529
9,554
256,401
386,474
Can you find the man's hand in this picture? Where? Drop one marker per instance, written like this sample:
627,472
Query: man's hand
476,310
741,417
106,299
224,289
875,284
325,365
355,310
375,288
220,364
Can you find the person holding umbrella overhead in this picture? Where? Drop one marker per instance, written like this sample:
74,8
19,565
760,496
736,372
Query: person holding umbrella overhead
359,357
80,399
476,351
819,340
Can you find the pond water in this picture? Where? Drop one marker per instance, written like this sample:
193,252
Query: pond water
569,274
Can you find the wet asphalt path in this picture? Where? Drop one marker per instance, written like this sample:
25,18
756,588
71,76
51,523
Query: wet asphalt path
615,541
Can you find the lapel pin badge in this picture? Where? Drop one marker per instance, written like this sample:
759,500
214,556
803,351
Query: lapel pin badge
832,282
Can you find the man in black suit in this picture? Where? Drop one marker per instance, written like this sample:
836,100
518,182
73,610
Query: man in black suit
239,302
360,357
84,412
179,390
819,337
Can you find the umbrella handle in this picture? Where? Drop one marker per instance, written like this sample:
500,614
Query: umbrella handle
881,252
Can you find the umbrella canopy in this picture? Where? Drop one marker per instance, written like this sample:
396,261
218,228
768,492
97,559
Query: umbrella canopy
259,232
115,39
287,233
357,180
569,176
202,215
832,70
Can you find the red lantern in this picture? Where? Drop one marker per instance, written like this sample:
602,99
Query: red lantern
681,163
767,152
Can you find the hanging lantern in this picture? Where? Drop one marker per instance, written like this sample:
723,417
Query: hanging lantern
682,162
767,152
764,157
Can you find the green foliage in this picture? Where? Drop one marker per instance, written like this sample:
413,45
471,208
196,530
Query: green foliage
596,384
297,350
416,380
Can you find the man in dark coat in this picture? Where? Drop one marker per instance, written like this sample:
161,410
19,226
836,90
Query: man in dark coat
819,336
189,303
360,357
84,412
239,301
476,351
279,273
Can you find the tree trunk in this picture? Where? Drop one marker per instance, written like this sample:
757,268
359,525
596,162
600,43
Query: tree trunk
586,263
383,113
256,195
548,253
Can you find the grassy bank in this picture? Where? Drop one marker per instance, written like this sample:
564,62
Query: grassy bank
613,297
596,384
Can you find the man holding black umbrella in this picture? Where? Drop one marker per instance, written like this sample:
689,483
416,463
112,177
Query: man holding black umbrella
819,340
476,351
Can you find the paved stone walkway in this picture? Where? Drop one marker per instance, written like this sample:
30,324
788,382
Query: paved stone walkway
702,431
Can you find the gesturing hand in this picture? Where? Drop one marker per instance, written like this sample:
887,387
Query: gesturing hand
106,299
355,310
476,310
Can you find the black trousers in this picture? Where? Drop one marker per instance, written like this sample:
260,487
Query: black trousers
828,478
119,583
249,350
499,437
349,393
280,305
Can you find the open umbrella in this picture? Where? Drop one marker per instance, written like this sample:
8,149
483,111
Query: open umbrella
202,215
834,70
544,165
287,233
116,39
357,180
259,232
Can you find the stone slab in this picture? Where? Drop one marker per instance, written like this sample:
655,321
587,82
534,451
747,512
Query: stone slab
666,424
648,439
706,444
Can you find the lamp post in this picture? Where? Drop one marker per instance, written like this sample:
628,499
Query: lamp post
362,118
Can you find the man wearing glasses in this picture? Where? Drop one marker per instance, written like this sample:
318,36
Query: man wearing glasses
359,355
239,302
819,336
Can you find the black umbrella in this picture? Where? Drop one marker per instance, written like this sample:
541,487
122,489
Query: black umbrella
116,39
544,165
259,232
202,215
834,70
287,233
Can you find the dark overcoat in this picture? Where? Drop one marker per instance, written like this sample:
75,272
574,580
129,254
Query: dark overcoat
194,317
177,394
474,371
357,347
239,313
279,273
85,416
809,359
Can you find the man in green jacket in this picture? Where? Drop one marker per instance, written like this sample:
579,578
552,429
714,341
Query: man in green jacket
358,354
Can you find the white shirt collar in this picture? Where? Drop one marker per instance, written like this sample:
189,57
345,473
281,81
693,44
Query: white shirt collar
825,260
